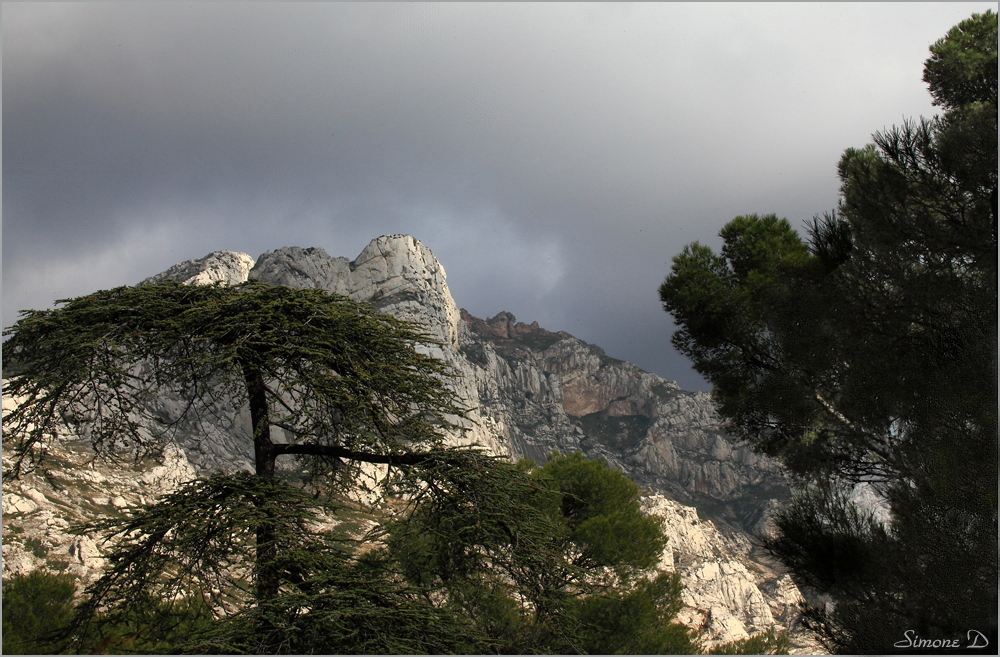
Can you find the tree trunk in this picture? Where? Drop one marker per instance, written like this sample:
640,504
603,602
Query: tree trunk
264,457
263,448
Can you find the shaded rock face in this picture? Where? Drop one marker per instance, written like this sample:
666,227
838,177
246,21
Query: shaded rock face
552,392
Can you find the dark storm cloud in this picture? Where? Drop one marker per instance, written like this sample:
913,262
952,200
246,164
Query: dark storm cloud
554,157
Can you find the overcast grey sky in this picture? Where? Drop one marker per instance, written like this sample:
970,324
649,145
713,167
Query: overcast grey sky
553,157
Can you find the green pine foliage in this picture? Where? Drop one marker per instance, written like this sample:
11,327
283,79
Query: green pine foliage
635,621
345,381
867,354
598,514
38,612
35,607
556,559
962,67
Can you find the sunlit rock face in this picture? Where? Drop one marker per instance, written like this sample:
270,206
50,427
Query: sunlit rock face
399,276
726,593
395,273
228,267
531,392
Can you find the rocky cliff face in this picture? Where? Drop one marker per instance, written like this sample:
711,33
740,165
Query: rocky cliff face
532,391
225,267
550,391
726,594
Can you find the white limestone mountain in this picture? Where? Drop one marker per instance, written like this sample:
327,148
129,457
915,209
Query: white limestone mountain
532,391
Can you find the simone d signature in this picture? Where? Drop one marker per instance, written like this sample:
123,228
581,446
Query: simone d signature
974,639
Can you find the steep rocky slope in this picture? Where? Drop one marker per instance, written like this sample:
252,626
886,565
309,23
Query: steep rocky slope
531,391
550,391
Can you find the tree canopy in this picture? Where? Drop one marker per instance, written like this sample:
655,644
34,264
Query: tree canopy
344,382
522,560
34,605
866,354
962,67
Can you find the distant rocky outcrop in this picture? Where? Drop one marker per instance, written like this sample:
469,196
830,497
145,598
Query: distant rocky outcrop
226,267
530,391
553,392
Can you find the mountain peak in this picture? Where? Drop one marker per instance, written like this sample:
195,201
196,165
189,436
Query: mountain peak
230,267
504,326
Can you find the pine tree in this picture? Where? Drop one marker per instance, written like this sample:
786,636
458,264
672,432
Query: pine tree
867,355
565,563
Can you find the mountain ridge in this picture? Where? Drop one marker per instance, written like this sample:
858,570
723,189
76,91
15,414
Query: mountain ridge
533,390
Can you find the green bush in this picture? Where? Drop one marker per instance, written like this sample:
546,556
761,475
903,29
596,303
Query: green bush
35,607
